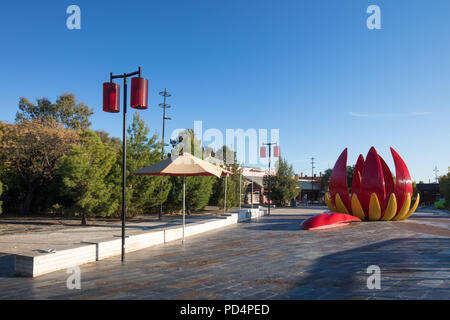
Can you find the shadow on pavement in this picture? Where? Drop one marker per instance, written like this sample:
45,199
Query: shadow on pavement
410,269
6,265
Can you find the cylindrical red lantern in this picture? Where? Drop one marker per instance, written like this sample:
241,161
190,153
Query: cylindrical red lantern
139,93
262,152
276,151
111,95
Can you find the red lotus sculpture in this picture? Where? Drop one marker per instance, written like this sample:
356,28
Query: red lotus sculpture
374,194
328,220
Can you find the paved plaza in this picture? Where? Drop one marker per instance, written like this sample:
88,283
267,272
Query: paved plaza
267,258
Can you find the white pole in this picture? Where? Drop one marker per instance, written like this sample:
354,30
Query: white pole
252,189
225,203
240,188
184,204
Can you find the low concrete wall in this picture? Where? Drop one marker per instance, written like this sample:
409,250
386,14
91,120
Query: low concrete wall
39,264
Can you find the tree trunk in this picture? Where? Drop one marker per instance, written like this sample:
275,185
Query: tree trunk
83,220
27,203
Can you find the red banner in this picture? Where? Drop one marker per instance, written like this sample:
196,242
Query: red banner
262,152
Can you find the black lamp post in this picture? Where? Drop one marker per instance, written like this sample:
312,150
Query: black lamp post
269,144
164,106
139,98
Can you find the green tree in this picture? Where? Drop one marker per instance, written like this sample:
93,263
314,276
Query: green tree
116,143
186,142
228,156
415,190
198,189
83,175
325,180
232,183
444,188
198,192
283,183
66,111
1,191
147,193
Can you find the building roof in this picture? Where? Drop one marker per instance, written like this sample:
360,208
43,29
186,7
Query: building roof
429,187
256,180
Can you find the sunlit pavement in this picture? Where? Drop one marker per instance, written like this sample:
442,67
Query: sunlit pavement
268,258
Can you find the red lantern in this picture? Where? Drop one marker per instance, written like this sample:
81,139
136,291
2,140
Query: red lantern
139,93
111,97
262,152
276,151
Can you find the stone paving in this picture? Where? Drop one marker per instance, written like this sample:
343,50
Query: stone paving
30,243
267,258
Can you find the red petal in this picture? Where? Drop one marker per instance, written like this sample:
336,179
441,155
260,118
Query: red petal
328,220
388,184
357,173
338,181
372,181
403,183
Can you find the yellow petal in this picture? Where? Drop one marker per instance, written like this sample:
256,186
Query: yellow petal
404,210
391,208
374,208
340,206
329,203
414,207
357,209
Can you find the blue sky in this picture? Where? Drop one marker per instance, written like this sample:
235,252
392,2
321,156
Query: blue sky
311,69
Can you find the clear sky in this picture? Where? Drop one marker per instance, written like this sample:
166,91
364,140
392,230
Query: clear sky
311,69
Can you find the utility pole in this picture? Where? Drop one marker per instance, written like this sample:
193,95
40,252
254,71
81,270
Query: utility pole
164,106
270,173
436,170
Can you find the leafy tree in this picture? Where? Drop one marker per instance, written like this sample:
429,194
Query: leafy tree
147,193
83,174
66,111
325,181
415,190
444,188
1,191
198,189
116,143
350,170
218,195
187,143
30,151
198,192
283,184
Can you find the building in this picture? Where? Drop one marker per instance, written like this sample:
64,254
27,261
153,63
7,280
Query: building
429,193
310,189
254,191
